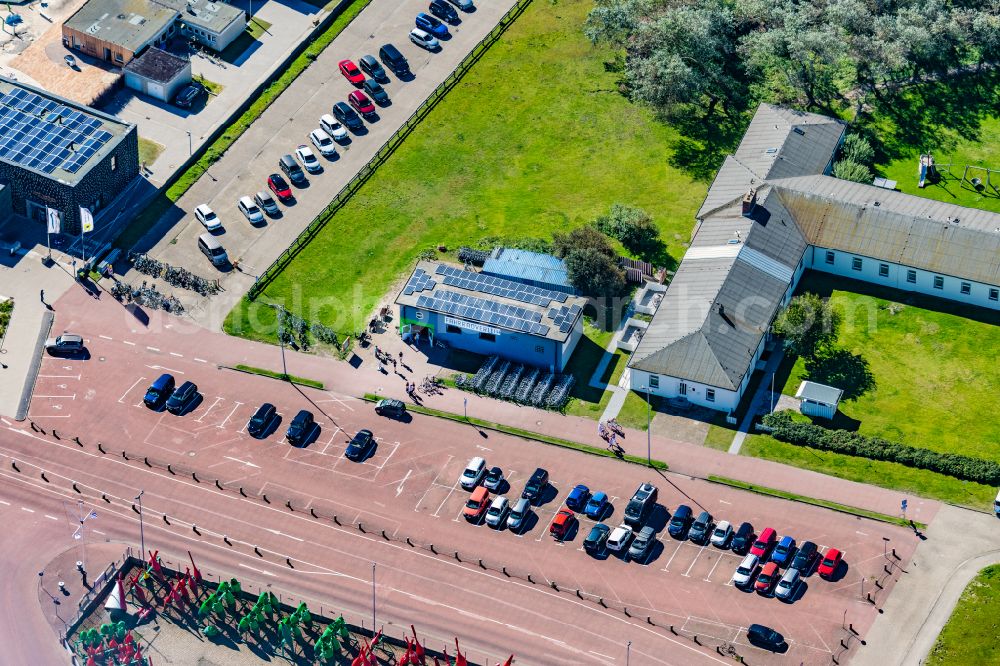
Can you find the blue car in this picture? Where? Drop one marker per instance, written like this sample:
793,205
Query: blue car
578,497
597,505
430,24
783,552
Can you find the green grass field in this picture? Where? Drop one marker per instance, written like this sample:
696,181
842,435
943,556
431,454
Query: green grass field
512,151
970,637
149,150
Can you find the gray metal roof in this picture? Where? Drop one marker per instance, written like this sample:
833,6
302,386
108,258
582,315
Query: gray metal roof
781,142
829,395
205,14
128,23
730,184
523,265
157,65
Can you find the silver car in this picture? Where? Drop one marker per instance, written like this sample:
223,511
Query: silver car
464,5
424,39
496,515
788,585
722,534
746,571
250,210
518,517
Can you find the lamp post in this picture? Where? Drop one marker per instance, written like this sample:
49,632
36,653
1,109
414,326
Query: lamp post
373,600
649,436
628,652
142,538
190,148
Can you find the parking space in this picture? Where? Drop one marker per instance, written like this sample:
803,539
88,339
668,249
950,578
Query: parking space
58,389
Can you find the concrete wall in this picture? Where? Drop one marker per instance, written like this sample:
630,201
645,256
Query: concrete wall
697,394
821,409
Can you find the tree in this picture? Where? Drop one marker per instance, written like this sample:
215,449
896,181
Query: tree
857,149
594,273
807,323
633,228
851,170
581,238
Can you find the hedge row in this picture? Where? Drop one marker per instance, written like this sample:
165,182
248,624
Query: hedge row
782,427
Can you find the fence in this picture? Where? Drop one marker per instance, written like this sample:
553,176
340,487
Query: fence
383,153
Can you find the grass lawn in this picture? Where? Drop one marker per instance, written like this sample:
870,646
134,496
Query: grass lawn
149,150
935,386
511,151
970,637
720,436
634,412
212,87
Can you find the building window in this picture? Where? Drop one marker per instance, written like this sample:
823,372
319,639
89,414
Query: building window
938,282
119,58
883,270
829,257
450,328
994,294
856,263
114,162
539,349
489,337
710,395
654,381
966,288
911,277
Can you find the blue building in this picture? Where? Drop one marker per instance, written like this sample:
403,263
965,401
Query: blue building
538,270
490,315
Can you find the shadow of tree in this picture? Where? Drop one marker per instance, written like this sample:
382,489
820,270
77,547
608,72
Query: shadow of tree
839,367
704,141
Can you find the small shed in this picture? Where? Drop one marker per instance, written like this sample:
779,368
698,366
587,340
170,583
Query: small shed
818,399
159,74
531,268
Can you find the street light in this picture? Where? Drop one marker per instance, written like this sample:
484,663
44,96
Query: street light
142,538
649,442
373,600
628,652
190,149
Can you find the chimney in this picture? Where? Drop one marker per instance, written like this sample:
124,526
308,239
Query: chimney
749,201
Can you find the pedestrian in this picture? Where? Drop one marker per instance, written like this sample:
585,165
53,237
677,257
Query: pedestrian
400,355
611,440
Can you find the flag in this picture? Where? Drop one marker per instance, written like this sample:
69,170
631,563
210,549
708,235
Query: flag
54,219
86,220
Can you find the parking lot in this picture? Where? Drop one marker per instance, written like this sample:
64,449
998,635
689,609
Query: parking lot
410,486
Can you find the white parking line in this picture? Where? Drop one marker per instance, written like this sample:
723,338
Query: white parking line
71,397
5,502
122,399
177,355
51,517
688,572
433,483
446,498
24,508
105,337
201,360
225,420
708,578
207,411
156,349
129,343
672,556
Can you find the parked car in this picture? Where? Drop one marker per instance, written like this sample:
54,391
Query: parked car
620,538
496,515
831,562
213,250
300,428
361,103
394,60
722,533
746,571
279,186
332,126
351,72
577,498
493,478
641,505
766,637
535,488
308,159
376,92
159,391
65,344
424,40
642,545
762,546
518,517
443,11
390,407
250,210
464,5
370,66
701,528
182,398
186,97
476,505
292,169
784,551
360,445
804,558
597,505
261,419
323,142
428,23
742,539
787,586
207,217
597,539
767,578
679,521
266,201
346,115
562,524
473,473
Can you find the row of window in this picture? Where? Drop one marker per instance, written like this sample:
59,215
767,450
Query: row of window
654,383
911,276
487,337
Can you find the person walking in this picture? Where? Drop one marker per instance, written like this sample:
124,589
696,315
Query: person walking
400,355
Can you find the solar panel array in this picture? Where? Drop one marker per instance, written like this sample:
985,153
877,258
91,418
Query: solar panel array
564,317
42,134
487,312
419,281
487,284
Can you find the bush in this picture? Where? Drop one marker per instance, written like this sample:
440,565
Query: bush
850,170
632,227
875,448
857,149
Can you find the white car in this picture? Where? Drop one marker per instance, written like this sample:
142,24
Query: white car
308,159
331,126
496,515
464,5
207,217
250,210
722,534
424,39
788,585
620,538
323,142
473,473
746,571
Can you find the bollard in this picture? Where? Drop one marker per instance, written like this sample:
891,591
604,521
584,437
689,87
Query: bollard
842,643
124,455
481,565
78,442
13,463
504,569
869,596
555,587
257,550
718,649
226,539
625,610
100,448
885,568
77,488
895,555
432,549
385,536
312,512
171,469
850,626
672,630
457,557
45,478
135,509
42,430
695,639
195,528
649,620
33,426
408,542
195,477
879,585
362,528
832,657
578,593
218,485
105,498
241,492
530,579
288,503
288,561
264,497
55,434
336,520
165,519
600,600
145,459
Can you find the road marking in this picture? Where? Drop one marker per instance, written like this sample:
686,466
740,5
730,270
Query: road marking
243,462
446,498
105,337
483,448
217,401
688,572
51,517
129,343
708,578
399,488
433,483
724,501
60,376
277,533
160,367
5,421
5,502
99,532
177,355
24,508
260,571
667,567
225,420
603,656
201,360
153,349
861,533
122,399
71,397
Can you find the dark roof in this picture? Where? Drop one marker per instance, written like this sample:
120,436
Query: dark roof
157,65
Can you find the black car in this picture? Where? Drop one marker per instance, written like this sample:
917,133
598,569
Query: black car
766,637
597,539
372,68
186,98
159,391
360,445
261,419
376,92
292,169
394,60
679,521
390,407
742,539
536,485
701,528
805,558
182,397
444,11
642,545
343,112
641,505
300,428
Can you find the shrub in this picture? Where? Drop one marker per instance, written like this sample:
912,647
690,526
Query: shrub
857,149
850,170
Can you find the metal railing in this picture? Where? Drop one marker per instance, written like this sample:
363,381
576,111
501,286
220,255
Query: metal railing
383,153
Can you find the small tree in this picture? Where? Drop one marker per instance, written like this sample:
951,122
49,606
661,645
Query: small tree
857,149
633,227
594,273
581,238
851,170
807,323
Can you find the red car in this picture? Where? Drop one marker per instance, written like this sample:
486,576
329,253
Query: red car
361,103
351,72
562,524
831,561
279,186
767,578
764,543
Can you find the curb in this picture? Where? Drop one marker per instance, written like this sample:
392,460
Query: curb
36,363
322,386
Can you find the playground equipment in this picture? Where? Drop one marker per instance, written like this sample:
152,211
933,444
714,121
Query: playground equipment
926,171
